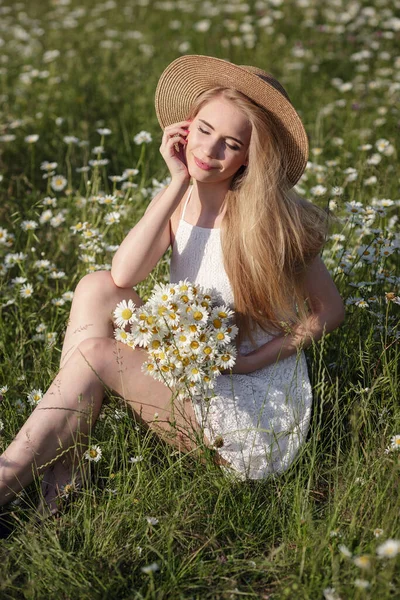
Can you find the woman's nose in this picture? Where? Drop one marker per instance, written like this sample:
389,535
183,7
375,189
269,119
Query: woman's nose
212,148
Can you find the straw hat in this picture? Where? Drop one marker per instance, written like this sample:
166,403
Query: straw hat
189,76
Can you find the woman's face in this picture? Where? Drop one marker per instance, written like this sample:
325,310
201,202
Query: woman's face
218,141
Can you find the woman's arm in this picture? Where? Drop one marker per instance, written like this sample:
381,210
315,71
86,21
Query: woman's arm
327,313
145,244
149,239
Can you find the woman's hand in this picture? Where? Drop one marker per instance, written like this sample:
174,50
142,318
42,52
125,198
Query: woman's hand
173,149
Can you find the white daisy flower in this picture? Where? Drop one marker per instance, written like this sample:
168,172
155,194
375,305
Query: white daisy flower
46,216
121,335
395,442
111,218
228,359
93,454
79,227
362,584
130,172
135,459
125,313
345,551
151,520
68,295
3,389
26,290
221,336
70,139
34,397
194,373
29,225
143,137
198,315
31,139
58,183
150,568
362,562
378,532
388,549
104,131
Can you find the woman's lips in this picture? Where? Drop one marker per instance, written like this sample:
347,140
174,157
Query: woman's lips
202,165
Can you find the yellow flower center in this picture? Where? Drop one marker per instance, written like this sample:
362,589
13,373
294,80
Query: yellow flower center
197,315
126,314
217,323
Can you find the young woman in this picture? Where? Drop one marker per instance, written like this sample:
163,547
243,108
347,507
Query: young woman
238,228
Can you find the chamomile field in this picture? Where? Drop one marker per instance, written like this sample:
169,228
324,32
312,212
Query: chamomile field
79,163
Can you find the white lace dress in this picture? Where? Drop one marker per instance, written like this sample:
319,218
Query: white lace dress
262,417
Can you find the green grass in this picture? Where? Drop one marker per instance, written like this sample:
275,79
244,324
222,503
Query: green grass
216,538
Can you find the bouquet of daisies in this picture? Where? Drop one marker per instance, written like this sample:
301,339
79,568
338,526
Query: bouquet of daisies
187,334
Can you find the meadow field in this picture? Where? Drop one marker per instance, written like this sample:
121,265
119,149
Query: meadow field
79,163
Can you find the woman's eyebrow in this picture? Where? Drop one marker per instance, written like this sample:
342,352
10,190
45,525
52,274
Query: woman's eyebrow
227,136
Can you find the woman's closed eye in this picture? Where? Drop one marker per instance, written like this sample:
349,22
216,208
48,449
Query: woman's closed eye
208,133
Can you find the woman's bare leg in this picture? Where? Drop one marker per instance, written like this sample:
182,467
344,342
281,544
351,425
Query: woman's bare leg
72,403
95,299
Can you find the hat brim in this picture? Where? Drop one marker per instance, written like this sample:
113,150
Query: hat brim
189,76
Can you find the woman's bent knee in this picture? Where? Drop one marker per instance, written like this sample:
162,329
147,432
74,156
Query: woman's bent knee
97,283
96,352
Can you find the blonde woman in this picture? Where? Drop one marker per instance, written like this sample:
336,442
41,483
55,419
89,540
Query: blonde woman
235,147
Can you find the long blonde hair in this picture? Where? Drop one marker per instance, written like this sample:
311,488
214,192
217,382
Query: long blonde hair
269,234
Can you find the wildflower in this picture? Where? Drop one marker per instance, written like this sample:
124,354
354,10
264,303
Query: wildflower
31,139
361,303
363,561
29,225
48,166
34,397
112,218
1,425
93,454
143,137
395,442
150,568
18,280
378,532
103,131
151,520
354,207
68,296
58,183
46,216
70,139
58,301
330,594
345,551
3,390
362,584
130,172
388,549
124,313
26,290
135,459
318,190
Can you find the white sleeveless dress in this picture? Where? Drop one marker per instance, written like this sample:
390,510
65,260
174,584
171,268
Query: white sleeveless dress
263,416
